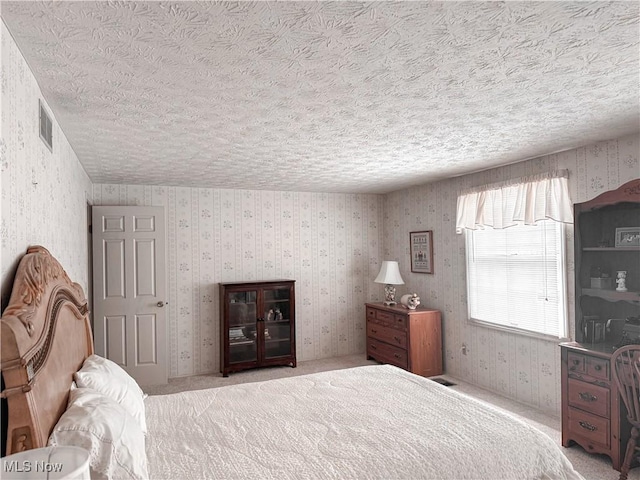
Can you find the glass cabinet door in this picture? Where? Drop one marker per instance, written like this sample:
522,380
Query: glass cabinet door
243,327
277,322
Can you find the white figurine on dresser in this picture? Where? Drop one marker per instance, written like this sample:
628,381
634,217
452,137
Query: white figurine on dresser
410,300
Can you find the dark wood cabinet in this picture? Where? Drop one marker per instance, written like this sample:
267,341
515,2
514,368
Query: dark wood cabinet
592,414
257,325
409,339
598,259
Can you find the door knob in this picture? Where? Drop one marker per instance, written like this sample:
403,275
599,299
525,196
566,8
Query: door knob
161,304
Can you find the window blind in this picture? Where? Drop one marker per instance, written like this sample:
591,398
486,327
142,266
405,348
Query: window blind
515,277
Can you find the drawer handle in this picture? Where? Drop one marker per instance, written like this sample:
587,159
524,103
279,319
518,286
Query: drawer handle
397,339
588,426
598,368
372,347
374,330
587,397
397,355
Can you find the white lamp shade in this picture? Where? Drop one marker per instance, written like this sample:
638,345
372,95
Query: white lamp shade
389,274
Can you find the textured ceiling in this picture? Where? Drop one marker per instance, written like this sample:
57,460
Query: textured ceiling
328,96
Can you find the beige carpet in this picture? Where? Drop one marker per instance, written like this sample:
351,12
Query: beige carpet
592,467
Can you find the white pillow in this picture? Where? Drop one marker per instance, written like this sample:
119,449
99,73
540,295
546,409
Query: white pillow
108,378
114,440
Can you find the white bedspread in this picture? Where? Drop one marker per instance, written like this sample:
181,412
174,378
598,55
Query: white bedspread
366,422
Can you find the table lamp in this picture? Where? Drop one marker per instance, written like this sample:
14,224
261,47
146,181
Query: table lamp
390,276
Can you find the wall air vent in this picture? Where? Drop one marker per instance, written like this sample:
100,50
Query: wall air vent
46,130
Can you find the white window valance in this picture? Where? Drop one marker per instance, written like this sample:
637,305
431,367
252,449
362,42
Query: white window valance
525,200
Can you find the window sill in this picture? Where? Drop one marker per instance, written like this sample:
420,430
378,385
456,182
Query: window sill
518,331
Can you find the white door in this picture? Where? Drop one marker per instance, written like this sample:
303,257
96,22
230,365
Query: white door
129,290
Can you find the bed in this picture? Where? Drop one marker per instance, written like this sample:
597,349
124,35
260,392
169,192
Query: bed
374,421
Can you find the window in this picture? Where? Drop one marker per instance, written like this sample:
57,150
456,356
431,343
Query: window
516,270
516,278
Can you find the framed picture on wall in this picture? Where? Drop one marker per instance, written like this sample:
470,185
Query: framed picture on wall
421,251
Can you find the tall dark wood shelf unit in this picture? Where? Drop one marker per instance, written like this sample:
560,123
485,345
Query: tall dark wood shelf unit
257,325
593,415
595,251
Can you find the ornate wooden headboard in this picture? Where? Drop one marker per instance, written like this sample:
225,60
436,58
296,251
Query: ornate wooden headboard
45,336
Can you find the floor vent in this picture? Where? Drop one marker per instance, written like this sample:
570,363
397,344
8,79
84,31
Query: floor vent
46,128
442,381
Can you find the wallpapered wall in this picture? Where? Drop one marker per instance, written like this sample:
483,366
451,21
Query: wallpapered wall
44,193
329,243
524,368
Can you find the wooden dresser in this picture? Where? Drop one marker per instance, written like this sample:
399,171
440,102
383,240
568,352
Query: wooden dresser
592,414
409,339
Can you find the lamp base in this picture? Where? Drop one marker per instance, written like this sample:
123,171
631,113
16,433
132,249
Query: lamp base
389,294
389,303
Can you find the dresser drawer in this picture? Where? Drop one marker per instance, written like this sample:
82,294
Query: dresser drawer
588,397
588,426
400,322
595,367
386,353
598,368
386,318
389,335
577,362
